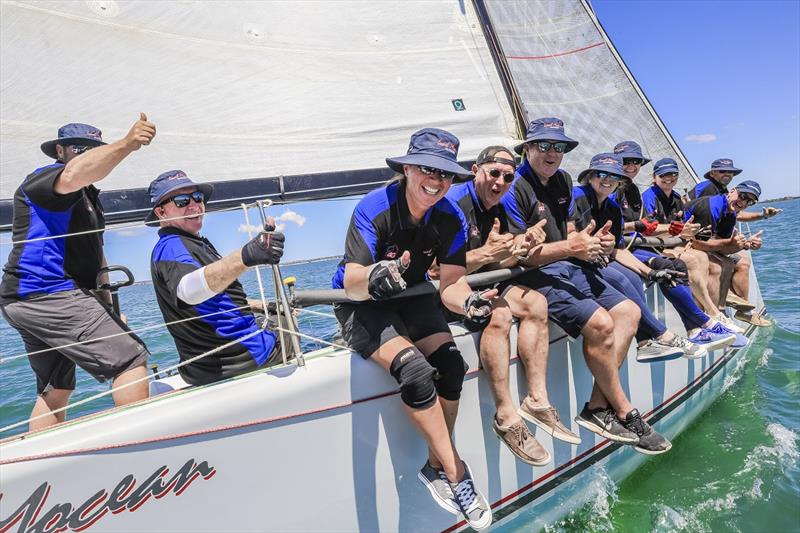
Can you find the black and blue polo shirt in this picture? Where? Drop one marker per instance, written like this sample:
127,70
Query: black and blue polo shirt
712,211
659,207
479,219
707,187
629,200
54,262
381,228
176,254
528,201
586,208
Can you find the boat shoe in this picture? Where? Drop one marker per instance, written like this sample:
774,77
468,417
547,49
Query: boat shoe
651,442
751,318
519,439
547,418
437,483
605,423
473,505
737,302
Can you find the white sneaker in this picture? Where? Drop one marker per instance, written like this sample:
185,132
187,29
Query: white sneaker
723,319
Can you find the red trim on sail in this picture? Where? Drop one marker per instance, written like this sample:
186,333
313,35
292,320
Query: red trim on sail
568,52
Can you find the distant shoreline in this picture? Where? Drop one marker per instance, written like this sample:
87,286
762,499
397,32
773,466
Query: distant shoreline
781,199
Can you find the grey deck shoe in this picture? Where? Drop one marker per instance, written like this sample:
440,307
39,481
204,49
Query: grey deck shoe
473,505
439,486
547,418
651,442
605,423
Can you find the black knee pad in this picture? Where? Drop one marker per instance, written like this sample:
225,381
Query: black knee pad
450,369
415,376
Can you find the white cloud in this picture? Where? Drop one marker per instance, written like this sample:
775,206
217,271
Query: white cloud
244,228
132,232
280,227
291,216
700,138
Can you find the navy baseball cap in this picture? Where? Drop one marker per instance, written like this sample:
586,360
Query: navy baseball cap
435,148
547,129
665,166
168,182
605,162
73,134
722,164
750,187
630,150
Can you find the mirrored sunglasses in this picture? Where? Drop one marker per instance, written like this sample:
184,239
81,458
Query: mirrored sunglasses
607,176
182,200
545,146
495,173
631,161
430,171
80,149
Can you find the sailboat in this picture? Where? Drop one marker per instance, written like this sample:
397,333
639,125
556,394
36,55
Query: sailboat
288,101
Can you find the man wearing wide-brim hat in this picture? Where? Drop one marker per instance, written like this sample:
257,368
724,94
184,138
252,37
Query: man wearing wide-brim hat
717,179
58,249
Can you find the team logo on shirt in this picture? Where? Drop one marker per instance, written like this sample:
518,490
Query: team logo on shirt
542,208
391,252
474,231
428,252
562,200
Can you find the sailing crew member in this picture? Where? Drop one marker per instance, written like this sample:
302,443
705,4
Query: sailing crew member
579,300
490,246
664,205
627,194
727,247
58,249
593,201
717,180
193,280
395,234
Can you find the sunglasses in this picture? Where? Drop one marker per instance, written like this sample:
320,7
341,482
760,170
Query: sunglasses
430,171
748,199
669,175
79,149
182,200
607,176
545,146
495,173
632,161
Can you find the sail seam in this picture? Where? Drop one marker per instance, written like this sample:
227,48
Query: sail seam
559,54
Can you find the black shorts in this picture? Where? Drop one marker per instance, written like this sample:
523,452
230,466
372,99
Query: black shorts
368,325
72,326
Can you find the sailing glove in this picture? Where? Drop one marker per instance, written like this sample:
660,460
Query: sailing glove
477,311
646,227
669,263
666,277
266,248
386,279
676,227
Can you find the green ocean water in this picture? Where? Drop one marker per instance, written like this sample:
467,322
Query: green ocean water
736,468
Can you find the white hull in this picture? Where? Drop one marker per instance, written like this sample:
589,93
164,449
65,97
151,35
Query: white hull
325,447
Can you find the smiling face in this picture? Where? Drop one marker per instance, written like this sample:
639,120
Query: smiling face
631,166
491,188
666,182
423,190
739,201
193,212
723,177
603,187
544,164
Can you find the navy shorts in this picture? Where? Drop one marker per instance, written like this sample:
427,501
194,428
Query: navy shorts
366,326
573,293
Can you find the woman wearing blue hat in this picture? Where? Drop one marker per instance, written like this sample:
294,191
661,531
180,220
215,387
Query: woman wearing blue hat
395,234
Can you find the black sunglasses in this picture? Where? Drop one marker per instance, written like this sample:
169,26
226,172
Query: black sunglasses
79,149
544,146
668,175
495,173
182,200
632,161
749,200
430,171
607,175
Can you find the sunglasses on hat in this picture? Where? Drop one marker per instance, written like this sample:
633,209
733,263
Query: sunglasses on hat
495,173
430,171
182,200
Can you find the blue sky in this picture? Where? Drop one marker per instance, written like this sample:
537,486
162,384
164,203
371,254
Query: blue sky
723,76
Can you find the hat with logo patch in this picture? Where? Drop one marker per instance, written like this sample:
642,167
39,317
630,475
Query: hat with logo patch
665,166
169,182
630,150
749,187
435,148
605,162
73,134
547,129
723,164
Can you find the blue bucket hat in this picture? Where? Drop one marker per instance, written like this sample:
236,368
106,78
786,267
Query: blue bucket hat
605,162
665,166
435,148
722,164
630,149
170,181
547,129
73,134
749,186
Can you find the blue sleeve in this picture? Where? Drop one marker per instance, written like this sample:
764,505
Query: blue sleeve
649,203
453,246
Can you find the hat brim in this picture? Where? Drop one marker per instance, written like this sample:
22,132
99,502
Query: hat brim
633,155
571,143
49,147
430,160
736,171
748,190
206,188
582,176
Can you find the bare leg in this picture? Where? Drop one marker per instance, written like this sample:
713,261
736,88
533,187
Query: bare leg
598,350
495,352
697,264
533,342
714,282
722,270
124,395
45,404
741,276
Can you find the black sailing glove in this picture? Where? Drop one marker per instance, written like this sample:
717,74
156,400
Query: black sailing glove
671,265
266,248
477,311
386,279
666,277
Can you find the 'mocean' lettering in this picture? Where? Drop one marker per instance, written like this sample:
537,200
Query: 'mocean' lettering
124,496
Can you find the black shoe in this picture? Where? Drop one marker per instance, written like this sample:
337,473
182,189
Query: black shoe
605,423
651,442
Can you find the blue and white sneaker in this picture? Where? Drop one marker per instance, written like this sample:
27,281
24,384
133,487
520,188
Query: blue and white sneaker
473,505
740,340
723,319
712,340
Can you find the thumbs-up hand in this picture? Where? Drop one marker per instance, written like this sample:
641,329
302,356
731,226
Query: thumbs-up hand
140,134
607,239
497,247
690,229
583,245
386,277
738,240
533,237
754,242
